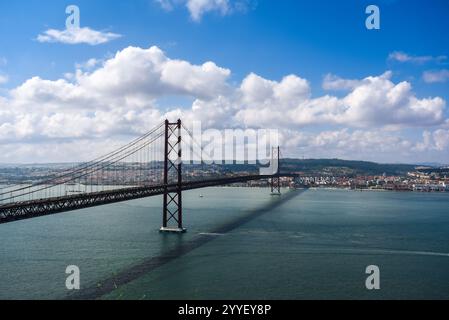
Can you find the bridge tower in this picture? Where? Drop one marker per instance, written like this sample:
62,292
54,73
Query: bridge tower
172,207
275,181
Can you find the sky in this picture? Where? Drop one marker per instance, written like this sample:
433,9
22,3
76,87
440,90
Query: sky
311,69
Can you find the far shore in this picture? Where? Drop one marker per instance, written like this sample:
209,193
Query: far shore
336,189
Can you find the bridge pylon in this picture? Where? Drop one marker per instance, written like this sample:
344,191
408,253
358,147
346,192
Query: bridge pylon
275,181
172,207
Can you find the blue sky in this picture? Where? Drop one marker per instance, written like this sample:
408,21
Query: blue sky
273,39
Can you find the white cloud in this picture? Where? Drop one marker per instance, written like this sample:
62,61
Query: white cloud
375,101
119,98
256,90
372,145
77,36
198,8
167,5
436,76
140,72
437,140
404,57
441,139
348,144
60,151
3,79
333,82
89,64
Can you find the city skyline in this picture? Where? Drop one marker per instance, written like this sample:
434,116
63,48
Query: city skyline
333,88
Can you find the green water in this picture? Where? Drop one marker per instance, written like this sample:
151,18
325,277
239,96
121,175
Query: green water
306,245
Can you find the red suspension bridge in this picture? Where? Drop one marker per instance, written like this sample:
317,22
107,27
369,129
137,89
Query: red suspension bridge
148,166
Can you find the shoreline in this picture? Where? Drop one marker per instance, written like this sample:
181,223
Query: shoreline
337,188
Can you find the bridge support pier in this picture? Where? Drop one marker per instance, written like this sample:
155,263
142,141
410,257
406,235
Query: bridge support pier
275,181
172,207
275,186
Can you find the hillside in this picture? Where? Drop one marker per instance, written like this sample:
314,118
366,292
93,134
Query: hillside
337,167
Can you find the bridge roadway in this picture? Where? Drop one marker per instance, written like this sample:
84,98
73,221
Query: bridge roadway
41,207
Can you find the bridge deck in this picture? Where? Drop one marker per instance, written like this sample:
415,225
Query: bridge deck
42,207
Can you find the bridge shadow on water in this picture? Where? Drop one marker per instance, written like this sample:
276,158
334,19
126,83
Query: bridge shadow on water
126,276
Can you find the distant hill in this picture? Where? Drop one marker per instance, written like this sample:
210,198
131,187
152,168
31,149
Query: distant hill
339,167
433,164
331,167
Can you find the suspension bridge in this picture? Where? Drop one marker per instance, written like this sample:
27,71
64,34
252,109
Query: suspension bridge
150,165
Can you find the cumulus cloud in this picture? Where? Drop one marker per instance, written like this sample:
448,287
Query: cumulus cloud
436,76
60,151
441,139
89,64
198,8
348,144
375,101
333,82
148,72
437,140
372,145
119,98
77,36
405,57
